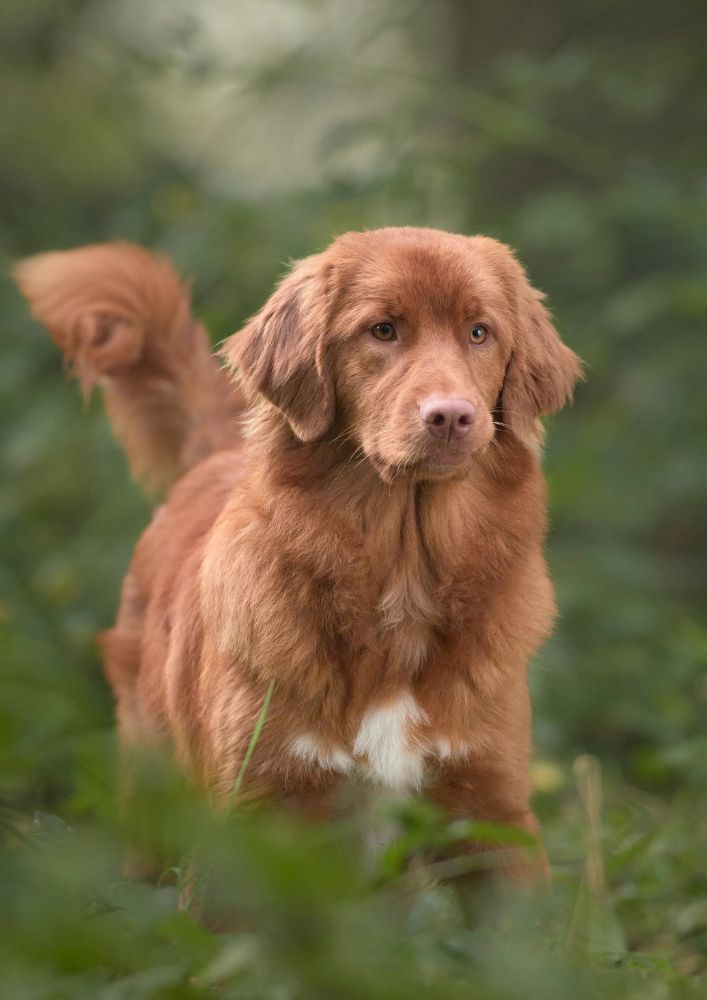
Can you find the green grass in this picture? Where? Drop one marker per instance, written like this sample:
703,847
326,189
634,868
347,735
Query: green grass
252,743
309,911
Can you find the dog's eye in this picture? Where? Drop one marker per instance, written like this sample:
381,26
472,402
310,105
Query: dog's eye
478,333
384,331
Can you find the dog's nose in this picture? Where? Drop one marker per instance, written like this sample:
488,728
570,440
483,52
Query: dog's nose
447,418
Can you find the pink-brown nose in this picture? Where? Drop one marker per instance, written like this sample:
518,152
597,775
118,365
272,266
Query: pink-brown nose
447,418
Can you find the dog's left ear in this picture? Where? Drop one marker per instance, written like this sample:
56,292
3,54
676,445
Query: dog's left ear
282,355
541,371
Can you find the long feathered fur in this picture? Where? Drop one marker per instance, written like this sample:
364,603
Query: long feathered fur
122,318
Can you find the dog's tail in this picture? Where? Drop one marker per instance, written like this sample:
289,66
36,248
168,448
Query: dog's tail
122,318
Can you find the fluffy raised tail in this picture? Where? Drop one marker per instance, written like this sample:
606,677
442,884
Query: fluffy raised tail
122,318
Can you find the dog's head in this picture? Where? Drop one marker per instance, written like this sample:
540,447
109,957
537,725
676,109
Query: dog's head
416,344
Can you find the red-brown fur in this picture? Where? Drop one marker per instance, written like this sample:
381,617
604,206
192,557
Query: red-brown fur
122,319
336,548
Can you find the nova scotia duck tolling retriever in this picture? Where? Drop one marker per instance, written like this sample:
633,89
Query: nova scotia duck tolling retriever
354,516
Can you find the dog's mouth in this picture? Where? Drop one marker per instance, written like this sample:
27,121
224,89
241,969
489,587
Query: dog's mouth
418,457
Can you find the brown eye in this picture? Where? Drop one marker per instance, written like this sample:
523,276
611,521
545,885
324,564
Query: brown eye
478,333
384,331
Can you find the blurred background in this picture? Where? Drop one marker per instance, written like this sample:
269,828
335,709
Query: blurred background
234,135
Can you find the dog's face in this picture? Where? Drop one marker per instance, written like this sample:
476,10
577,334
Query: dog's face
421,352
412,343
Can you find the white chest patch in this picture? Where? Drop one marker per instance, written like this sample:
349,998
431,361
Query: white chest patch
310,750
386,748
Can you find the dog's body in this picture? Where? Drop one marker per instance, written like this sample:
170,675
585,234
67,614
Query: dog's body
367,537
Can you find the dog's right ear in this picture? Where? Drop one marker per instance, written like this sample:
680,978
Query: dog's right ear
282,355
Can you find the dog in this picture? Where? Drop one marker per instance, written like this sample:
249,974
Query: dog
354,522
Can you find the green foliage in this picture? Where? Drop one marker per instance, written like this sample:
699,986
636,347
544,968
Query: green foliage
235,137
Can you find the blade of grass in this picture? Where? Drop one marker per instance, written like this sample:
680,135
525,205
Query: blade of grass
588,906
587,771
259,723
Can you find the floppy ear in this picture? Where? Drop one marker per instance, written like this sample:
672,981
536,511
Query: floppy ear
541,371
281,352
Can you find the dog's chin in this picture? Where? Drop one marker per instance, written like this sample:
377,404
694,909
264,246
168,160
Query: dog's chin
437,472
432,468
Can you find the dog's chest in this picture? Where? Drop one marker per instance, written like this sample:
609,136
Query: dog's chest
395,743
407,613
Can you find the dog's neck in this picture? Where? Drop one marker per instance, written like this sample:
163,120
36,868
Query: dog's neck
430,521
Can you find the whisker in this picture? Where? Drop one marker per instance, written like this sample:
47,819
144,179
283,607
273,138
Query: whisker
359,450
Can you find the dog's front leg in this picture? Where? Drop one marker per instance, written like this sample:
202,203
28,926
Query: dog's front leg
492,791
